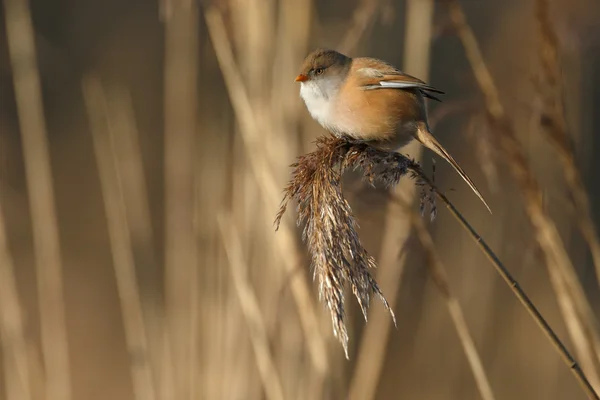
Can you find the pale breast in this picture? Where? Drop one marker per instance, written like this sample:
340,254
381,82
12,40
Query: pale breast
317,103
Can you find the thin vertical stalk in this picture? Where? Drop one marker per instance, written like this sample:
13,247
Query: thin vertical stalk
371,355
124,138
439,275
180,110
250,309
282,105
363,18
128,156
22,52
17,374
120,240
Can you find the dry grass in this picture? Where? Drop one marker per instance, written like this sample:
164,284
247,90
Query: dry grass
251,310
439,275
576,309
523,298
363,18
181,124
554,123
143,376
30,110
19,382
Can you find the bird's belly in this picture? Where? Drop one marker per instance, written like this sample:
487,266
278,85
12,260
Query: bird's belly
387,119
394,140
385,133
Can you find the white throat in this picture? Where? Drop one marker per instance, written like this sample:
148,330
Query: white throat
319,97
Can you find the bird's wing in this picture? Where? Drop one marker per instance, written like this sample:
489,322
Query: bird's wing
376,74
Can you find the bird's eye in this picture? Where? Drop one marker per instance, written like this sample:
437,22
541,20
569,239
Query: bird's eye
319,71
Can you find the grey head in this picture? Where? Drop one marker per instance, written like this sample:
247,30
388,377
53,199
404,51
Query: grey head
322,74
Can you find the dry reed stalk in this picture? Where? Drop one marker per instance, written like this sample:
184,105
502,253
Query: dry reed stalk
22,52
128,157
17,374
285,114
363,18
251,135
220,346
555,125
102,123
254,36
250,309
371,355
293,36
579,317
120,240
439,276
181,268
518,292
129,166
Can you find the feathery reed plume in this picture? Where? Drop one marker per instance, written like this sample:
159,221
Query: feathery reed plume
330,230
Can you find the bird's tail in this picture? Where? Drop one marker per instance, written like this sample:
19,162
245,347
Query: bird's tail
429,141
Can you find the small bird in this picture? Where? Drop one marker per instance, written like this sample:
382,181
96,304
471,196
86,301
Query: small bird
369,100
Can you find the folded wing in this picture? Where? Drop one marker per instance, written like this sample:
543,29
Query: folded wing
377,74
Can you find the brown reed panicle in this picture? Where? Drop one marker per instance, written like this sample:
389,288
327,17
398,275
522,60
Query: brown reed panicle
330,228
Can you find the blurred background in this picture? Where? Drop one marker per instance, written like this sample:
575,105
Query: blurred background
144,148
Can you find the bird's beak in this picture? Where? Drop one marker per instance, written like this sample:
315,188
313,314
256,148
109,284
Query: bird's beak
301,78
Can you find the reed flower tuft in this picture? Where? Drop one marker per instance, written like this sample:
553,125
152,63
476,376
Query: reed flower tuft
330,228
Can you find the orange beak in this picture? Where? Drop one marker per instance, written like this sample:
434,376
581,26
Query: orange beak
301,78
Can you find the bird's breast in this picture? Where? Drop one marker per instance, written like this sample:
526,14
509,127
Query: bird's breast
317,103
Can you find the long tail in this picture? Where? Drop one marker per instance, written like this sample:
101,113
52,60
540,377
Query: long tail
427,139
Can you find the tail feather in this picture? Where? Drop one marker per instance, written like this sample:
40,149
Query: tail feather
429,141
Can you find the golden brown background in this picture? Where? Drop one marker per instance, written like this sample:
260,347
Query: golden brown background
157,274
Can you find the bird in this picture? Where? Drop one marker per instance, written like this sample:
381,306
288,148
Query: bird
369,100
